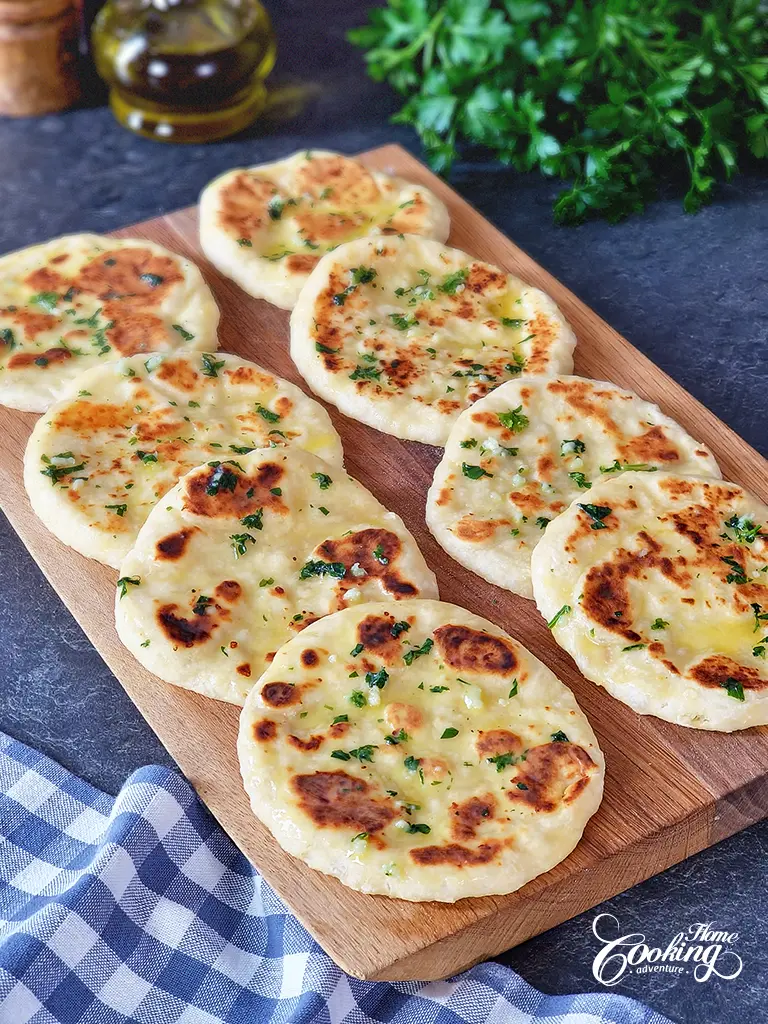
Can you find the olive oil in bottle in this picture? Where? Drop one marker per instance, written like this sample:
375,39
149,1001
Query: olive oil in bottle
184,70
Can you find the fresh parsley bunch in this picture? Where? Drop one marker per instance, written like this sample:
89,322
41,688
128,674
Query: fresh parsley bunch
606,94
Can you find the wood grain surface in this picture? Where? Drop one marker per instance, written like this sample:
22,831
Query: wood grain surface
669,792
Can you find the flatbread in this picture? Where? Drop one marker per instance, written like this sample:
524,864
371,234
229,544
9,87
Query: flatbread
242,555
267,226
517,458
417,751
658,589
98,462
405,333
82,300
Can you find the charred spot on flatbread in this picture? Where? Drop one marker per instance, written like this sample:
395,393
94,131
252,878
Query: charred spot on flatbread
470,814
186,630
174,546
280,695
264,730
456,855
136,276
376,551
222,491
338,800
551,774
719,671
470,650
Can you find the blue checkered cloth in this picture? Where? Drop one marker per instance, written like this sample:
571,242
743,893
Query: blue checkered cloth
140,910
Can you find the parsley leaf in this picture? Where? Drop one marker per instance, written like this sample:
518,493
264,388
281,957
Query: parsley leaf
514,420
606,97
597,514
417,652
473,472
334,569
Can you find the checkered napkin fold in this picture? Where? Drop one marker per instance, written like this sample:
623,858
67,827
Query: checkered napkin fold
140,910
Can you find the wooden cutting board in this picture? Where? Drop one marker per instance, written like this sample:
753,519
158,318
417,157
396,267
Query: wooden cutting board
669,792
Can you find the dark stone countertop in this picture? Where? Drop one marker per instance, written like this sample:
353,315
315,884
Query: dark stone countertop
687,291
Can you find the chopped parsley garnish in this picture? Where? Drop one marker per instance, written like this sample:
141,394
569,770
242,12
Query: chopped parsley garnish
360,835
153,280
7,337
315,568
185,334
572,447
211,366
401,736
745,530
515,420
341,755
513,691
323,479
91,321
378,554
659,624
357,649
734,687
471,442
559,737
267,582
267,414
222,479
580,480
340,718
363,275
449,733
399,627
508,321
597,514
365,373
503,761
474,472
412,827
637,467
55,473
277,491
542,522
403,323
241,449
378,679
275,208
240,542
201,604
358,698
319,347
364,753
412,763
760,616
245,243
565,610
147,456
127,581
759,650
451,284
738,576
438,689
417,652
47,301
634,647
119,510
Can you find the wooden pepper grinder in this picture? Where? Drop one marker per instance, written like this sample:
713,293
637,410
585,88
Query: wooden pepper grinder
38,56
